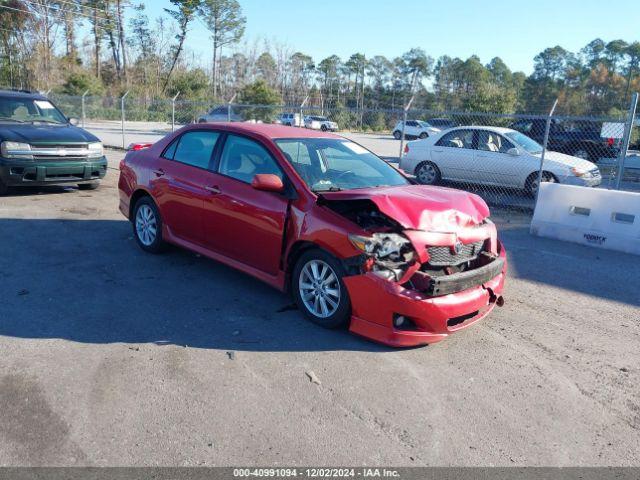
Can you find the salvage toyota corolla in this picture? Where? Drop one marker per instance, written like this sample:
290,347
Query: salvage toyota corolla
353,240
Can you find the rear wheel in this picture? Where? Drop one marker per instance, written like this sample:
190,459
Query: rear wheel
532,182
582,153
319,291
428,173
3,188
323,128
397,134
147,226
423,135
89,186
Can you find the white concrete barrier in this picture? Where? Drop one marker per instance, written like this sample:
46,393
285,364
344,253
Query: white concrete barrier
597,217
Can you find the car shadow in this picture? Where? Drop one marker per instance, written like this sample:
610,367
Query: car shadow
87,281
42,190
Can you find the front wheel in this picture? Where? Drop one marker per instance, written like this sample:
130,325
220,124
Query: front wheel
532,185
3,188
147,226
428,173
323,128
319,291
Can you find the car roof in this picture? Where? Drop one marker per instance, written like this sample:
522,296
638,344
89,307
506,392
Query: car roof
22,94
268,130
502,130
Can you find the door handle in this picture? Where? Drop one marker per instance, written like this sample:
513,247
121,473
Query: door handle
214,190
159,172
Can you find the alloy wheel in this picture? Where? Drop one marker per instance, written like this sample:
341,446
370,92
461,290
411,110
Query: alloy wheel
427,174
146,225
545,178
581,153
319,288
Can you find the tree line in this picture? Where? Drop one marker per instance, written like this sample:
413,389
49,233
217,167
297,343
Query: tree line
107,47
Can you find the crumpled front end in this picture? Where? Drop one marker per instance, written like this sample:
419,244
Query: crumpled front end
416,312
418,285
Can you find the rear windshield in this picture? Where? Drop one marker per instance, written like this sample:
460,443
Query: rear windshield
29,110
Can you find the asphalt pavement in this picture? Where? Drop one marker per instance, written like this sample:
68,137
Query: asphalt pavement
111,356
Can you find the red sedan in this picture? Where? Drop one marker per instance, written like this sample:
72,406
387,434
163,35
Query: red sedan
353,240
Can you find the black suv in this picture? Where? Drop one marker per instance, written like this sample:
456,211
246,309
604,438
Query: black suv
40,146
578,138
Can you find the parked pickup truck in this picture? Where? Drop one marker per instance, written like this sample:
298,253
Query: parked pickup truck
582,139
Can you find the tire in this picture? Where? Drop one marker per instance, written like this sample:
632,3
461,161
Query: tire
428,173
202,120
581,152
3,188
323,128
397,134
330,307
531,185
88,186
145,213
423,135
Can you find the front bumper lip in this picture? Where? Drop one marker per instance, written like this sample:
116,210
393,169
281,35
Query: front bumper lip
375,301
583,181
14,172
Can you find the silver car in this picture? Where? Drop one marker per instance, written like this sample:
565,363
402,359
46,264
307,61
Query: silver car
493,156
220,114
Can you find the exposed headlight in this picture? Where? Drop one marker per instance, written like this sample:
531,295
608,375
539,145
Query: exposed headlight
95,150
580,172
16,150
392,253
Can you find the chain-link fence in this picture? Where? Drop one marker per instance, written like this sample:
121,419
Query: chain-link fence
497,156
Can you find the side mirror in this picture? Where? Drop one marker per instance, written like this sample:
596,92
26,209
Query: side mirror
514,152
73,121
267,182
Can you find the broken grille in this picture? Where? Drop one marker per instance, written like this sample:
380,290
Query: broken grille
446,256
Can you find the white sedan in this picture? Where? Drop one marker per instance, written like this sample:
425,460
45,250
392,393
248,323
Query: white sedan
316,122
492,156
414,129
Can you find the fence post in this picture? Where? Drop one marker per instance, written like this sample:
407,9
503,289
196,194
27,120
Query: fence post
84,113
404,122
173,111
229,103
547,128
301,114
626,138
122,110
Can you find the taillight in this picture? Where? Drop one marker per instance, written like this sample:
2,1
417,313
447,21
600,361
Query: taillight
406,149
139,146
611,141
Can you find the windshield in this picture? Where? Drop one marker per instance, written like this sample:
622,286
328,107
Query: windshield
28,110
423,123
332,164
525,142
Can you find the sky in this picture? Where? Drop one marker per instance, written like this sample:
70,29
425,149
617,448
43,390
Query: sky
513,30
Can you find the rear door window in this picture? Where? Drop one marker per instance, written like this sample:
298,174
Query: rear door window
194,148
457,139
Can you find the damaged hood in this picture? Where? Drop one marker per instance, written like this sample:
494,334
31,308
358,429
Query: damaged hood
420,207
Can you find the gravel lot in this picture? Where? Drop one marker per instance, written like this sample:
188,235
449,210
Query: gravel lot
115,357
